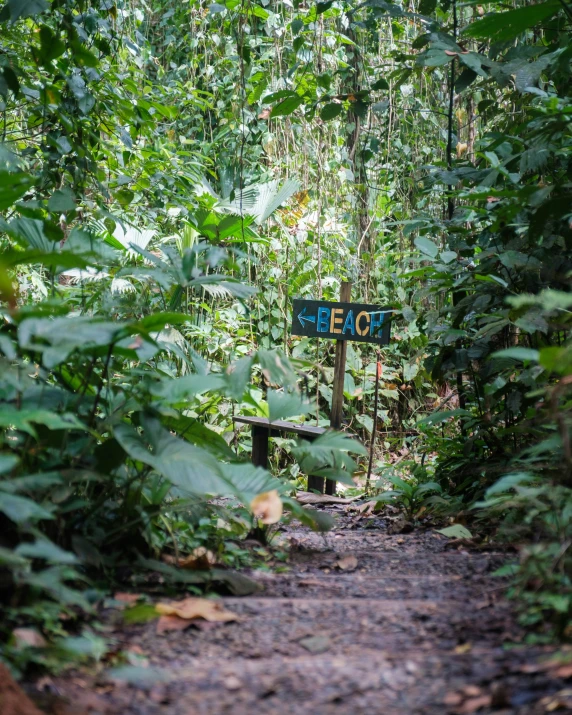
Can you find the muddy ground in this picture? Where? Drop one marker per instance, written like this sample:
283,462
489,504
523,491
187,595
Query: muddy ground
363,622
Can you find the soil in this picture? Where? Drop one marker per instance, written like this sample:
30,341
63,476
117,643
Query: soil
363,621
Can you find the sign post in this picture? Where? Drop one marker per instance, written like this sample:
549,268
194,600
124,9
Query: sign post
341,321
338,386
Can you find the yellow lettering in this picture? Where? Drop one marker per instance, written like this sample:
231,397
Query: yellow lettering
334,320
360,330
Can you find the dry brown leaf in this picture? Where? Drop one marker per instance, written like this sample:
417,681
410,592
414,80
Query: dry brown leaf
452,699
267,507
171,623
127,597
462,649
471,691
28,638
347,563
200,558
564,671
366,509
190,608
473,704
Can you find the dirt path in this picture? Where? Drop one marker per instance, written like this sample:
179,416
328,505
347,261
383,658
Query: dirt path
414,628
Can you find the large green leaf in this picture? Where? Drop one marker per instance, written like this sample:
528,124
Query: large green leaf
286,404
45,549
186,466
287,106
21,510
31,231
11,417
426,246
181,389
504,26
12,187
26,8
331,111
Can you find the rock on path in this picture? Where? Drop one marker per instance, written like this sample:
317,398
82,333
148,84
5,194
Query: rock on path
363,622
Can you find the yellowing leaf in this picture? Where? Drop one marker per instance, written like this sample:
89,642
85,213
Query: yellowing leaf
267,507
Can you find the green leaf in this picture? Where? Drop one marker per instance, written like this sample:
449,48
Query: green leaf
426,246
331,111
504,26
202,436
30,482
317,520
62,200
380,84
12,187
448,256
32,232
26,8
286,404
181,389
8,462
45,549
186,466
11,417
456,531
438,417
517,353
509,482
287,106
21,510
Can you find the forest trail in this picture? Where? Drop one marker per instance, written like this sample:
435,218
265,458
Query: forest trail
363,622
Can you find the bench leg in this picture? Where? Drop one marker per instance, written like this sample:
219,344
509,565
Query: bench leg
260,446
316,484
330,487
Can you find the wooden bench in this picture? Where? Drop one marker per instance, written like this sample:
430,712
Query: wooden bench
263,429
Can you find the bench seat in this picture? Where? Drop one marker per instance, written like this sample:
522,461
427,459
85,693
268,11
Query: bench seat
263,429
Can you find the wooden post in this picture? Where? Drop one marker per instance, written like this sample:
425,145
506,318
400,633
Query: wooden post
339,374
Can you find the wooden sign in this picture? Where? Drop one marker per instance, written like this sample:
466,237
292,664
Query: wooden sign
341,321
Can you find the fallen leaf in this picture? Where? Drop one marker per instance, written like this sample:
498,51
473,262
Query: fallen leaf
232,683
190,608
28,638
127,597
267,507
464,648
400,526
473,704
471,691
200,558
366,508
452,699
316,644
564,672
347,563
171,623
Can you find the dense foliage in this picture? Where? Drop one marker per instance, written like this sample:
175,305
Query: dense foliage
172,175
